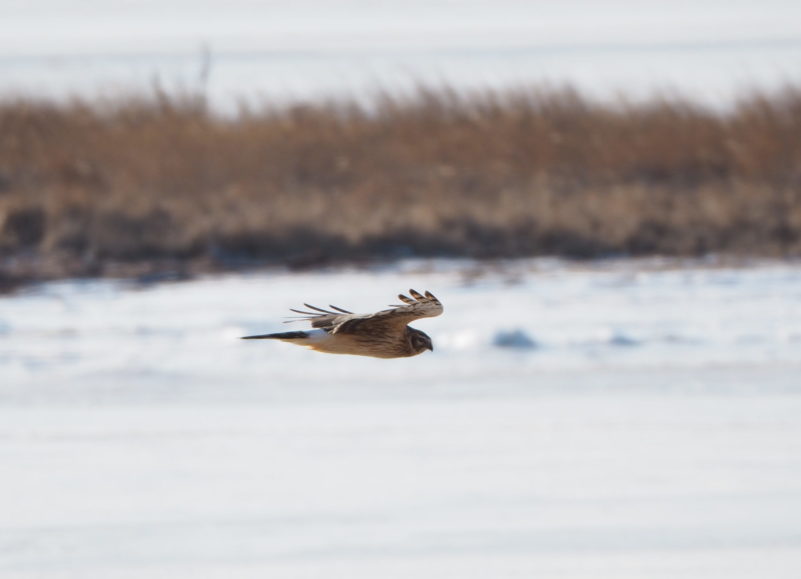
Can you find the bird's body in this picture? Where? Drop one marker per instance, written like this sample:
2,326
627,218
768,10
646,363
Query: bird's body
383,334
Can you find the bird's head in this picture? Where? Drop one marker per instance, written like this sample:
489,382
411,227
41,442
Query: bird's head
420,341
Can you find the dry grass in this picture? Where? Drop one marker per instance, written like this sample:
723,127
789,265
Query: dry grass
92,188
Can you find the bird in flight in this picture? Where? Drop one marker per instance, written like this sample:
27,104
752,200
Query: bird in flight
384,334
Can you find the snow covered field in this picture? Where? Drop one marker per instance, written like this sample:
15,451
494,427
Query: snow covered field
709,50
622,419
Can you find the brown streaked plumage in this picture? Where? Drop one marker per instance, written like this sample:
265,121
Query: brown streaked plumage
384,334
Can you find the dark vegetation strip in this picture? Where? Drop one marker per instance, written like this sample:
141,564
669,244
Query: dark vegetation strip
160,183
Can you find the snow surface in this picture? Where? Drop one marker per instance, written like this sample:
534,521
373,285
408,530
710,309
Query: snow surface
708,50
654,430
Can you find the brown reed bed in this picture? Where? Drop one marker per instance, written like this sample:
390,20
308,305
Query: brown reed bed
160,183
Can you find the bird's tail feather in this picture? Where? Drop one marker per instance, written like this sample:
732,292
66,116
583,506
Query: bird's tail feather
279,336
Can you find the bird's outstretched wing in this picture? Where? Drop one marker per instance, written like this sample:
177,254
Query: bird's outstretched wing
322,318
343,321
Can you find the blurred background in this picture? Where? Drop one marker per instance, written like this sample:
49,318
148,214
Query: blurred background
606,197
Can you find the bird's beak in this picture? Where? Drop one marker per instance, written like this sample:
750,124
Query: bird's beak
431,347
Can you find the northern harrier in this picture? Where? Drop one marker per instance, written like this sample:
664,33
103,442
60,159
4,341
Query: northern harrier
383,334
